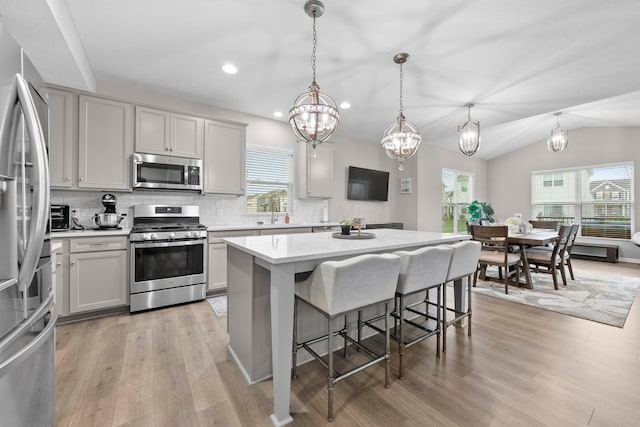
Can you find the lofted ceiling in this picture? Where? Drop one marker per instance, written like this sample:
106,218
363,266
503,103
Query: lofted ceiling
518,61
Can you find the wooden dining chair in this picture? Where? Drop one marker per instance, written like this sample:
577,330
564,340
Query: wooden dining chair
550,225
495,252
566,256
552,260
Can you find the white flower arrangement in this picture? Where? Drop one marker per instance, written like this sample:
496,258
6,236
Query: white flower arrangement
513,220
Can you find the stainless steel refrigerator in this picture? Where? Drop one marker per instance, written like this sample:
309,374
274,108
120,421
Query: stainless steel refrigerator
27,323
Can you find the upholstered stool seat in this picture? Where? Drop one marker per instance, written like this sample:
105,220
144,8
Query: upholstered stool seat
336,288
422,270
464,264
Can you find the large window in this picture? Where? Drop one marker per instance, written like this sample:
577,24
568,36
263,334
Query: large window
269,185
599,198
457,193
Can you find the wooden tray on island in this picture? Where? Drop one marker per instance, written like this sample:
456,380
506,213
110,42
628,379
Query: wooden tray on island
354,235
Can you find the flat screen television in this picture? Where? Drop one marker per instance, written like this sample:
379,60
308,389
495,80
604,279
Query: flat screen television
367,184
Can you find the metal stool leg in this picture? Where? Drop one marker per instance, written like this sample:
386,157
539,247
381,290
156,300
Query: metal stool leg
295,340
401,345
387,347
444,318
438,324
345,339
330,379
469,305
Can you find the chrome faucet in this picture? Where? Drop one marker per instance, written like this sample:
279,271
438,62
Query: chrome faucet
272,207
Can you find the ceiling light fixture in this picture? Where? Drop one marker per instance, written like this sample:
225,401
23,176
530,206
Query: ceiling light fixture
402,138
345,105
469,134
314,115
278,113
229,69
558,137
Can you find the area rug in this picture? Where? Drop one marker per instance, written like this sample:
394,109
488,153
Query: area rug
599,298
219,305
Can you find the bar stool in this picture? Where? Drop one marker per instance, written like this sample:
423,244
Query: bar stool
464,263
421,270
336,288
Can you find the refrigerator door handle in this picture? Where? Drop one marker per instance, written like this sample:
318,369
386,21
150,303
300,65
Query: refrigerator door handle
27,350
41,191
26,324
5,283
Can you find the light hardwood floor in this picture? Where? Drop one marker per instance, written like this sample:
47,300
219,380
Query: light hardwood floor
523,366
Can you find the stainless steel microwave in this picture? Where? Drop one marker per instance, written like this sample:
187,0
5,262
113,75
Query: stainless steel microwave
166,173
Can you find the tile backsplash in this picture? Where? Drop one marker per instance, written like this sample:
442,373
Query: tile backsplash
214,209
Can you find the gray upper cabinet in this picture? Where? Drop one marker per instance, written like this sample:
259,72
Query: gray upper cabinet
315,174
61,137
170,134
105,143
224,157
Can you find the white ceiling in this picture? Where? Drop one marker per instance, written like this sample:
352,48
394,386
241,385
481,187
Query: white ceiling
518,61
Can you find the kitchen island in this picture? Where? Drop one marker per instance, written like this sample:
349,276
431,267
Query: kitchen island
261,272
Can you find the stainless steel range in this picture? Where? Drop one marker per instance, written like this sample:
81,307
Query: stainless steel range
168,256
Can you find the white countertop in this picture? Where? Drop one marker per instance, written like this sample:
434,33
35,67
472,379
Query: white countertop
126,231
89,233
270,226
285,248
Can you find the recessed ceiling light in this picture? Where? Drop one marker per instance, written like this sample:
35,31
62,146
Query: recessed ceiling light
229,69
345,105
278,113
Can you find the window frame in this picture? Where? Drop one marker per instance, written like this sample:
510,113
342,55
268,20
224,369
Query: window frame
289,184
456,203
579,203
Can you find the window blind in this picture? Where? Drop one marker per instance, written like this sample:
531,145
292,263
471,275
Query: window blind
599,198
268,176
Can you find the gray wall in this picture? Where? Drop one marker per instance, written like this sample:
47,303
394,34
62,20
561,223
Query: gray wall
277,133
509,176
431,161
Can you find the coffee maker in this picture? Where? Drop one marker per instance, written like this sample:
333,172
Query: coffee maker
110,217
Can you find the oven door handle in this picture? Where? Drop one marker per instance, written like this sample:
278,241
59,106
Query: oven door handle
143,245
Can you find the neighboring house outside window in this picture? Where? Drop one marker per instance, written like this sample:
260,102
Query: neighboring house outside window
457,193
269,182
599,198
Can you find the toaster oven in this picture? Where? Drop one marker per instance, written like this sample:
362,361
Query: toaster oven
60,218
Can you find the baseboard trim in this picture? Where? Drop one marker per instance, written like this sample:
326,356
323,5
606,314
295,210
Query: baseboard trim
631,260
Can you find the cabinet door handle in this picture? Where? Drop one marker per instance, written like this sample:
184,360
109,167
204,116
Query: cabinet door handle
58,264
67,178
80,179
98,244
72,263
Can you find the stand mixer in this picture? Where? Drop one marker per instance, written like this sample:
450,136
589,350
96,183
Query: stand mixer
110,218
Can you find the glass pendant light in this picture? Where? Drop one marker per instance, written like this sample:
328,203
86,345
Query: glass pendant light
402,138
558,137
314,115
469,134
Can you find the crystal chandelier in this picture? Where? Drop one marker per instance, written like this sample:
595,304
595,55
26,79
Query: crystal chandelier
469,134
402,138
314,115
558,137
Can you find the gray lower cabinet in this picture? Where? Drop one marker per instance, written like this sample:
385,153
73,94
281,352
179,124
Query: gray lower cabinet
218,256
97,273
287,230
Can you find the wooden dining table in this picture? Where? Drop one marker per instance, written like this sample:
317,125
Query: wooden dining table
534,238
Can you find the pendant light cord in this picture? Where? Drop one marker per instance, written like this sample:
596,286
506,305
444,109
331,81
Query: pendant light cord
313,53
401,108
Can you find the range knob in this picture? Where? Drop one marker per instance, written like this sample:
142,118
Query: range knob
153,236
145,236
188,234
172,235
